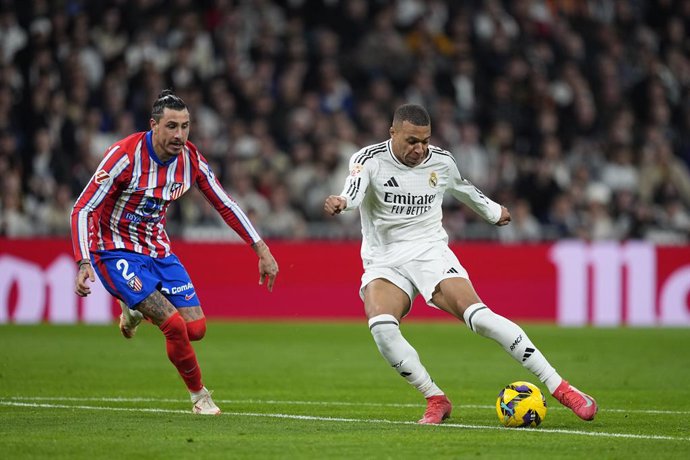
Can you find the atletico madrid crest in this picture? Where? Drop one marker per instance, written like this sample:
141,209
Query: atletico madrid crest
134,283
176,191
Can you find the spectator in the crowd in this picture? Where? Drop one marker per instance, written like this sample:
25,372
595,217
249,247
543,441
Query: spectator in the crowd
283,222
525,227
13,37
540,100
620,173
244,192
598,224
475,161
54,218
14,220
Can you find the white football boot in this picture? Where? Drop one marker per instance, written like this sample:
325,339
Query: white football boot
203,404
129,320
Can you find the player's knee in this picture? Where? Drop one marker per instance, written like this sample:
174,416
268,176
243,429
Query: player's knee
384,328
196,330
476,316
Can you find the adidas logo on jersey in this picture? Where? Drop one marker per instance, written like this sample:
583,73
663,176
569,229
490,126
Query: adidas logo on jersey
391,183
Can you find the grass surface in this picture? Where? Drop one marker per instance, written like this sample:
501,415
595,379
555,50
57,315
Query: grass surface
321,390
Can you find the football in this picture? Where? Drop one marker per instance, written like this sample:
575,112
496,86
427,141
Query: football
521,404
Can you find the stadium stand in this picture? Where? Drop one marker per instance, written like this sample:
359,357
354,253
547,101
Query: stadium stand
575,114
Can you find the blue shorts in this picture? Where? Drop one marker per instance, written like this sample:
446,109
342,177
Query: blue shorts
132,277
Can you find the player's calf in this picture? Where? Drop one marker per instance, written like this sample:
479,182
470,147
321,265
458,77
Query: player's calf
180,351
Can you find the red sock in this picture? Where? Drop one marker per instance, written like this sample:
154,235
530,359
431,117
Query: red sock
180,351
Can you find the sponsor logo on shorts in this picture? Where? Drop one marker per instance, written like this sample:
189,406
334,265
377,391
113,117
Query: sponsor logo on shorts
179,289
189,296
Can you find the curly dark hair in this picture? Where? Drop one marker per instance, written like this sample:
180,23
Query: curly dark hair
415,114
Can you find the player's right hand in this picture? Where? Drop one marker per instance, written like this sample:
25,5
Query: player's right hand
84,273
334,205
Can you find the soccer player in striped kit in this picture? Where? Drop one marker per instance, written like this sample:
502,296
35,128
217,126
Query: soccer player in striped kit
118,233
398,186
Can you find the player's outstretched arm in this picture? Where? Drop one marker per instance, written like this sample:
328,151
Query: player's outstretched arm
505,217
268,267
335,204
84,273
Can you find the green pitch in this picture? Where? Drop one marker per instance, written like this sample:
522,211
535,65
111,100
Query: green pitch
321,390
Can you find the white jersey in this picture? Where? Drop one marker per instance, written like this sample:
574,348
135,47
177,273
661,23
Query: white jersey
400,206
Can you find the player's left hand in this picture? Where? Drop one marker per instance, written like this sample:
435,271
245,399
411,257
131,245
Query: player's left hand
268,267
505,217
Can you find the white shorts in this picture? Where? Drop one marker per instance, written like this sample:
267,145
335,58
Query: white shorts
418,274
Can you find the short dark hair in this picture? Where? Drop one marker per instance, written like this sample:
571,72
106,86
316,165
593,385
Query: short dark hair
166,99
414,113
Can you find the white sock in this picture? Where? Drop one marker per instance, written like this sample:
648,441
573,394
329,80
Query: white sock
400,354
480,319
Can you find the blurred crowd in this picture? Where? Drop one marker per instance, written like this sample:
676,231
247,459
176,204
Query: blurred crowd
573,113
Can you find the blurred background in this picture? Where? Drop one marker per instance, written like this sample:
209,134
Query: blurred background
573,113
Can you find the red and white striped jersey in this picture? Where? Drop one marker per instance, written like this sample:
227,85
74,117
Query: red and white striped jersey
124,204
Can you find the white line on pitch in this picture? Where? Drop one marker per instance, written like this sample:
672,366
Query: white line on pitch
324,403
347,420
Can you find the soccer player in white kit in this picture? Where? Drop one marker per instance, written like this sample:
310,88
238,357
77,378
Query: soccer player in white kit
398,186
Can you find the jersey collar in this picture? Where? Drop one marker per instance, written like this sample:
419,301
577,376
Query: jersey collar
389,144
152,152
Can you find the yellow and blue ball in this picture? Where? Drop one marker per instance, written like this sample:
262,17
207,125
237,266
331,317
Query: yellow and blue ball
521,404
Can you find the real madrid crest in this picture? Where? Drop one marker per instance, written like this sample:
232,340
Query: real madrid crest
433,179
356,169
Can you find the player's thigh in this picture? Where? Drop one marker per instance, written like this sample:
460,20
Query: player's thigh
125,275
176,285
191,313
383,297
454,295
156,308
